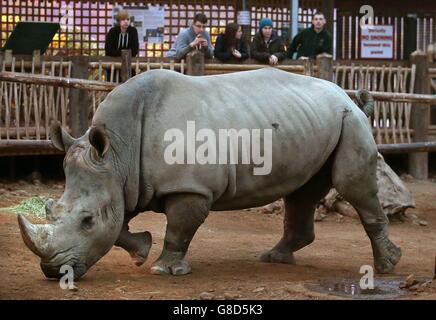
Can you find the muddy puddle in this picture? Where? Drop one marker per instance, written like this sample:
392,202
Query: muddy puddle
386,288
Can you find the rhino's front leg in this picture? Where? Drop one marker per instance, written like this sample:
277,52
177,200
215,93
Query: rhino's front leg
185,213
136,244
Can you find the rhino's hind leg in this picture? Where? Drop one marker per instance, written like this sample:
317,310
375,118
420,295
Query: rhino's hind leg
354,176
136,244
185,213
362,194
299,218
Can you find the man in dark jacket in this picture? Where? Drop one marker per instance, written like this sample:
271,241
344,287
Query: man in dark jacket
267,46
122,36
312,41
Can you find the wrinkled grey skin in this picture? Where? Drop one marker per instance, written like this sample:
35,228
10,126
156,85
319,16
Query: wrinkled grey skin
321,139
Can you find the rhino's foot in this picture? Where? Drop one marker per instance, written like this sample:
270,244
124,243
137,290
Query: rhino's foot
176,268
386,255
276,256
171,263
140,254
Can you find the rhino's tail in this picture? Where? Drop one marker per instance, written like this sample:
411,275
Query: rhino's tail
365,101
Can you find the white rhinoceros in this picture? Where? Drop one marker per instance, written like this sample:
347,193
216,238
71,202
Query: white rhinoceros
300,137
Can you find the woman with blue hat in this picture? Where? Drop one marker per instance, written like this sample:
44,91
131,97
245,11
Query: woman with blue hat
267,46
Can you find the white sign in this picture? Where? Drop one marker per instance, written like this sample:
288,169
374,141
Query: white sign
377,42
149,22
244,18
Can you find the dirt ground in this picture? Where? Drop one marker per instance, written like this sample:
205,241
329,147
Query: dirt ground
223,255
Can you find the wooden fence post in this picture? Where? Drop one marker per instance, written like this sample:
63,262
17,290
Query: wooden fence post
36,174
420,116
126,65
37,58
308,66
195,63
324,62
8,56
80,101
246,29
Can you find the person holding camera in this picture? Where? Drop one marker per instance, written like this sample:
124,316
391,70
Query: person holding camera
193,38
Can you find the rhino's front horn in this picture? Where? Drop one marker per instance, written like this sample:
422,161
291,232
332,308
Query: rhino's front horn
37,237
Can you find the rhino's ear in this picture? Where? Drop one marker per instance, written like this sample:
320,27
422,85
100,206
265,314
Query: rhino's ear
99,140
60,138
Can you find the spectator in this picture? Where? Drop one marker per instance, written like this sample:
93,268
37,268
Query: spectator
122,36
230,45
267,47
312,41
193,38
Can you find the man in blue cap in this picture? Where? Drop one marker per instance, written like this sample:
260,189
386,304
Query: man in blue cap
267,46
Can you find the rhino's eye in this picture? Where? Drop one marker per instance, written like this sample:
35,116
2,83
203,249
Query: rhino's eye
87,223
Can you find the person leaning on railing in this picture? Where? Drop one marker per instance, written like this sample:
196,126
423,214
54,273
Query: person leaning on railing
312,41
122,36
193,38
230,45
267,46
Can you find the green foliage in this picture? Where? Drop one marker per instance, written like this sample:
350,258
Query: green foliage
32,206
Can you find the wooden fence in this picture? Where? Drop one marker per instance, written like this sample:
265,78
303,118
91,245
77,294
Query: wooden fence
110,71
25,109
432,89
28,104
391,120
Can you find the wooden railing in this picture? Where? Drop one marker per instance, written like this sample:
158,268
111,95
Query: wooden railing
391,120
70,91
25,108
432,80
106,69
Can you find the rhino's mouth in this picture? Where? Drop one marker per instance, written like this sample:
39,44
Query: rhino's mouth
69,269
63,263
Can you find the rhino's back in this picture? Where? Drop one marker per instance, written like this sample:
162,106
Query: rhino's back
304,114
